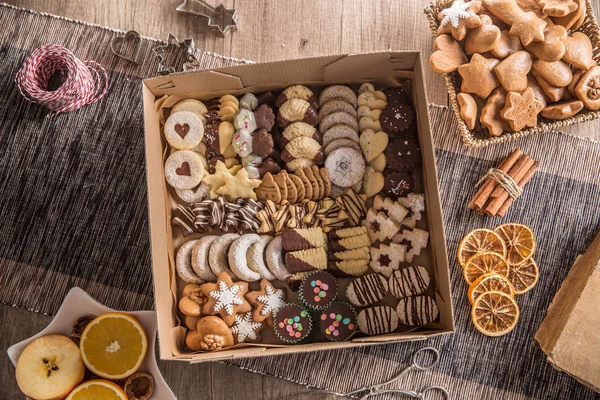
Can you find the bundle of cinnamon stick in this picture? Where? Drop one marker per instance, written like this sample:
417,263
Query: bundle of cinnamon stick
492,198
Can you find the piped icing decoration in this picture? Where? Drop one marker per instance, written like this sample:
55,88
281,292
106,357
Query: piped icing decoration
242,142
318,290
245,329
338,321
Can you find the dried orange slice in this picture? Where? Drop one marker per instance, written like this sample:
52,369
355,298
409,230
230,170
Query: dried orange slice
523,276
484,263
480,241
113,345
490,282
495,313
520,242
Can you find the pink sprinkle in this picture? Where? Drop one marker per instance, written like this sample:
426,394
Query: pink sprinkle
281,325
323,317
288,328
325,286
298,334
331,328
336,333
332,315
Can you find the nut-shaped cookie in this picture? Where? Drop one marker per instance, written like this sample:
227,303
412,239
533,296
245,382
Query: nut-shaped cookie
588,88
512,71
212,333
192,300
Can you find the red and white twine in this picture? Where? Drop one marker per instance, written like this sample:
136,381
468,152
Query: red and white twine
81,82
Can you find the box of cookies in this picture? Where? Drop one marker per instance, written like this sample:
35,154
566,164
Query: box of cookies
516,67
294,206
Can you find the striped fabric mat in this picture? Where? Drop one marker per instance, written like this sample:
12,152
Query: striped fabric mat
73,212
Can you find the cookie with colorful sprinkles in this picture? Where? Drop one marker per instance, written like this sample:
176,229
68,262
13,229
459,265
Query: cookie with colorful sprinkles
318,290
292,323
338,322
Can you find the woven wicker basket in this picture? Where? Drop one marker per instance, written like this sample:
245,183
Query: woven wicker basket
479,137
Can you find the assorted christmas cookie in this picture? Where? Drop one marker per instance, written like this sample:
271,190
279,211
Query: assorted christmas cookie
184,130
246,329
292,323
377,320
318,290
417,311
211,333
266,302
367,290
225,298
409,281
338,322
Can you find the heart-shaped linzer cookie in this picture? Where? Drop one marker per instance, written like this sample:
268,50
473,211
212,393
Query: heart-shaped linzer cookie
182,130
373,143
448,56
184,170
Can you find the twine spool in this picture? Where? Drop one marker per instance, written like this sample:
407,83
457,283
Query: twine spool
81,82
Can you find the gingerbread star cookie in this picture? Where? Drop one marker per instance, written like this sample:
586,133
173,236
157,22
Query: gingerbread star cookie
266,302
521,110
239,186
457,18
478,76
225,298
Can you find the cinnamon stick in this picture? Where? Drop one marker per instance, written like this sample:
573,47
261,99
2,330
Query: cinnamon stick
519,169
483,194
521,184
495,204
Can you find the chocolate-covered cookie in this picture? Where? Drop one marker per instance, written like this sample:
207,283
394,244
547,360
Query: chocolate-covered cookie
338,322
292,323
318,290
403,155
267,97
397,184
397,118
268,165
262,143
398,95
265,118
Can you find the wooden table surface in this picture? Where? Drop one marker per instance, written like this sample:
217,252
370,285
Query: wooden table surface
268,30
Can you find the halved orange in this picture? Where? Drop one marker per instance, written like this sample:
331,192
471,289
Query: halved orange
484,263
495,313
97,389
480,241
523,276
520,242
113,345
490,282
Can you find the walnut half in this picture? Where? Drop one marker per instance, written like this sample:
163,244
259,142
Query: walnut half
212,342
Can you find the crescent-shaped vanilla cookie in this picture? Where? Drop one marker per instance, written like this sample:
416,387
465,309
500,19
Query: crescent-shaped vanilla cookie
274,256
183,263
237,257
217,254
200,263
256,258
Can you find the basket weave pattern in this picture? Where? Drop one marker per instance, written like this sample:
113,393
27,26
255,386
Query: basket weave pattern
479,138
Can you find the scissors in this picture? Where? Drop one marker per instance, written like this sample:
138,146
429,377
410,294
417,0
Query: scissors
378,388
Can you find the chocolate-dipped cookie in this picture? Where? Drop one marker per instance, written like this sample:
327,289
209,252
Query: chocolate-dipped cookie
338,322
318,290
292,323
403,155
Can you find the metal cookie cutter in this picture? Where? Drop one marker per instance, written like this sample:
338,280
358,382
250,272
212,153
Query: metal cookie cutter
218,18
171,58
127,47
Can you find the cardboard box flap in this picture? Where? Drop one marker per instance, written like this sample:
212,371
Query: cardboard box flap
370,66
203,81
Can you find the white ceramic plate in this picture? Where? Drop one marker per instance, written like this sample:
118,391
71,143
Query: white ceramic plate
78,303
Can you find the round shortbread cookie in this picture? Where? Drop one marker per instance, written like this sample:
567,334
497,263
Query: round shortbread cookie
410,281
339,143
340,131
184,169
377,320
256,257
334,106
417,311
339,117
192,105
183,263
274,256
338,92
217,254
237,257
346,166
200,263
184,130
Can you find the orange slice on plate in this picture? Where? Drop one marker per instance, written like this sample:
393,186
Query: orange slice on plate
484,263
523,276
520,242
97,389
480,241
113,345
495,313
490,282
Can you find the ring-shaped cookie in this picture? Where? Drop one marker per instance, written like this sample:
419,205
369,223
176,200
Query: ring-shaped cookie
183,263
199,257
217,254
237,257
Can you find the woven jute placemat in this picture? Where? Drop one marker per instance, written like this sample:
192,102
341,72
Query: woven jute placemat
73,211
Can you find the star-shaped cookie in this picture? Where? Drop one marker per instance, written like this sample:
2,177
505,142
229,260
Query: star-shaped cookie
521,109
478,76
239,186
457,18
217,180
266,302
225,298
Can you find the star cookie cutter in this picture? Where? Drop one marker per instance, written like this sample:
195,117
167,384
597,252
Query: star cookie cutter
168,59
218,18
127,47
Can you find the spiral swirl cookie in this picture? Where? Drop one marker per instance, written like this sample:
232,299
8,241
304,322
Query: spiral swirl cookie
346,166
184,169
184,130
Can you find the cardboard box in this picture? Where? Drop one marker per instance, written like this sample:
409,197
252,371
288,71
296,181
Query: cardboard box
569,333
384,68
